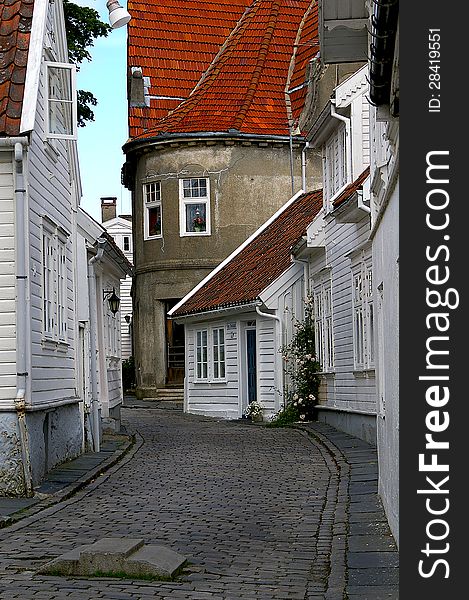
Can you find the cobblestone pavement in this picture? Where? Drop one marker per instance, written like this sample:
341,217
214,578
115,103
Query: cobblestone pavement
260,513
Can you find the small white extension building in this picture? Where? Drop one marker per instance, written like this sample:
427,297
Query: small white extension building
239,316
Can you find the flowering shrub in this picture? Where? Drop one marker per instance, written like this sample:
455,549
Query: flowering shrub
302,367
253,409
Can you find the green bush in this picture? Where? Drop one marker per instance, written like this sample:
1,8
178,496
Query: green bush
302,367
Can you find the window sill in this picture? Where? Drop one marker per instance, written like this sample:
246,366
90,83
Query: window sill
55,345
364,373
195,234
327,374
210,381
148,238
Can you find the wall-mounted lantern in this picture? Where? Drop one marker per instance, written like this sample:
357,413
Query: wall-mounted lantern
113,299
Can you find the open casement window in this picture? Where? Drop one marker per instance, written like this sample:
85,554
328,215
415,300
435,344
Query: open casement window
363,316
54,276
323,332
152,202
210,354
335,166
194,195
61,101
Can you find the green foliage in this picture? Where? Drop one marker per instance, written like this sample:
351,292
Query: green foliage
302,368
83,26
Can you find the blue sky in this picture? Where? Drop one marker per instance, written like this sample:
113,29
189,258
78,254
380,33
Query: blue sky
100,142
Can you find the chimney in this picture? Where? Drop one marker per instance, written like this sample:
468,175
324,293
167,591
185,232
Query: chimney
108,208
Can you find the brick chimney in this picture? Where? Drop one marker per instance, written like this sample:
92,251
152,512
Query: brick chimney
108,208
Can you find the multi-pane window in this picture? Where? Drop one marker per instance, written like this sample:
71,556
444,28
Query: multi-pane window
210,354
323,325
152,203
54,277
335,170
61,100
363,316
218,353
202,354
126,243
195,206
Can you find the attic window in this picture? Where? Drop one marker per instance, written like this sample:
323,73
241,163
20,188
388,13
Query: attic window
61,103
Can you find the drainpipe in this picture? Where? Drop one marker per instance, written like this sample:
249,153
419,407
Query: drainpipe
303,166
361,205
305,263
93,345
348,139
291,165
279,368
22,305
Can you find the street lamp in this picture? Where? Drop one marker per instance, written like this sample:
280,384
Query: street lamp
118,16
113,299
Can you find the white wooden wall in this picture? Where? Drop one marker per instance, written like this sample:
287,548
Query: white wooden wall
7,281
343,388
50,194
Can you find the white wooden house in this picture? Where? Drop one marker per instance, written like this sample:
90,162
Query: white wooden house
120,228
41,346
348,32
338,249
239,316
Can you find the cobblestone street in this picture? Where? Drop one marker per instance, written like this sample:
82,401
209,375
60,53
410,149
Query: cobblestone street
259,513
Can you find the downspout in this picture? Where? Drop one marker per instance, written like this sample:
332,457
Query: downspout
279,369
361,204
348,139
22,304
93,346
305,264
291,165
303,166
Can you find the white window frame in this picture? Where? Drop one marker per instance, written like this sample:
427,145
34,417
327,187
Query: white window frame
129,249
54,283
211,366
363,317
148,205
72,102
185,201
335,165
324,324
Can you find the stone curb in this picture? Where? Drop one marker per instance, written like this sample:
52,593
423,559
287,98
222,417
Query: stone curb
117,459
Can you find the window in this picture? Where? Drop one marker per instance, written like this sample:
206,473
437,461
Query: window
363,316
126,243
322,298
54,276
210,354
194,206
152,217
335,170
61,101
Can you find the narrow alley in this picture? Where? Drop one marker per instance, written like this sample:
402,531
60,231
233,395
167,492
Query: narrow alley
258,512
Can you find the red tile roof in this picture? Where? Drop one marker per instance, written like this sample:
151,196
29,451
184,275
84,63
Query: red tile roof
351,188
15,30
174,42
243,88
259,263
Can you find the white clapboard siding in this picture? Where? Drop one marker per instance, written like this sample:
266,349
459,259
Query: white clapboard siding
344,388
7,281
114,383
266,362
50,195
